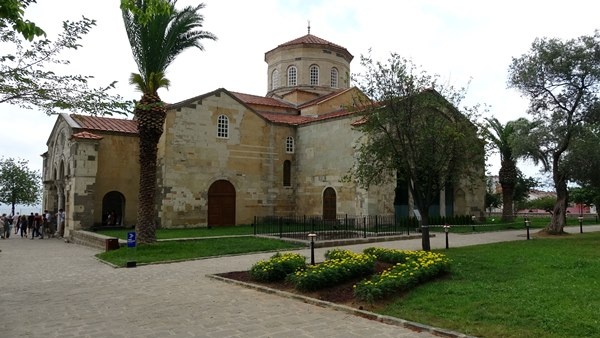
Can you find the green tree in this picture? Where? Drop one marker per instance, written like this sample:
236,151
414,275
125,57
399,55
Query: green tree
501,137
493,199
415,133
523,187
11,14
562,81
157,36
582,196
18,184
26,79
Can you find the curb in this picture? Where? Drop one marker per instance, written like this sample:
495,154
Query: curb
418,327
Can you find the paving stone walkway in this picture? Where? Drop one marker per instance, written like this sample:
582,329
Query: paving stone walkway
49,288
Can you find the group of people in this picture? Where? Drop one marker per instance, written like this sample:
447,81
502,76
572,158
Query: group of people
33,226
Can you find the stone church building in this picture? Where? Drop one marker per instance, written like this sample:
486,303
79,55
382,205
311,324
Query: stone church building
226,156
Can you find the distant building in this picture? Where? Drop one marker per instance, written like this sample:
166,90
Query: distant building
226,157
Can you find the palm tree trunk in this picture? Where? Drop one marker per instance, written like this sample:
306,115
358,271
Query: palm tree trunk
151,114
507,202
508,178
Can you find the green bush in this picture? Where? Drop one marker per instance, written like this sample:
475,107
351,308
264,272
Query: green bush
277,267
410,269
333,271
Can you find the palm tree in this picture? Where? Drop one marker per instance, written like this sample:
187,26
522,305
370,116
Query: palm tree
157,33
501,137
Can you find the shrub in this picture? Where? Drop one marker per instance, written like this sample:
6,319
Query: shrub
333,271
277,267
410,269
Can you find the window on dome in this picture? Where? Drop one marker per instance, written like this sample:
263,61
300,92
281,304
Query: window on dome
275,79
334,77
289,145
314,75
223,126
292,76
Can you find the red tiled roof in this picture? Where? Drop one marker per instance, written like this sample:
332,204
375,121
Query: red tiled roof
310,39
86,136
106,124
302,119
261,100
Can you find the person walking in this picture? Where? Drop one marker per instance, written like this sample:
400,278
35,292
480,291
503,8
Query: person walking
23,225
16,222
30,228
37,224
5,227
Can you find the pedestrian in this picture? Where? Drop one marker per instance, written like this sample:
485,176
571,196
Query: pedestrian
23,222
4,226
16,222
49,226
37,226
30,228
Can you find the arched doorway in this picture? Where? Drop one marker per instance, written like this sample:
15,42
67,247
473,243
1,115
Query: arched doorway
221,204
113,205
329,205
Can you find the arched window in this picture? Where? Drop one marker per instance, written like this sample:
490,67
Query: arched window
287,173
289,144
275,79
292,76
334,77
314,75
223,126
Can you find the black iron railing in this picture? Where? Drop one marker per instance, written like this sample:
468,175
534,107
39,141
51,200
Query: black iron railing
342,227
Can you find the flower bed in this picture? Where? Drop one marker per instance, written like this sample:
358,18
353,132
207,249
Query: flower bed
277,267
411,268
341,266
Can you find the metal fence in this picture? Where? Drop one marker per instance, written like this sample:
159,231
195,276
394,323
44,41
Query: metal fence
343,227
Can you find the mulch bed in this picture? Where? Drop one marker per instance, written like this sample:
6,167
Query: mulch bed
339,294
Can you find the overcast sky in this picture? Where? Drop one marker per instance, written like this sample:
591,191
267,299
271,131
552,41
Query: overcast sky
460,40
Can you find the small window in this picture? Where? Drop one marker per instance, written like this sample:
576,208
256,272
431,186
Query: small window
223,126
289,144
287,173
292,76
275,79
334,77
314,75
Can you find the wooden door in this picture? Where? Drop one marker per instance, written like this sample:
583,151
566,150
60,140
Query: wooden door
221,204
329,205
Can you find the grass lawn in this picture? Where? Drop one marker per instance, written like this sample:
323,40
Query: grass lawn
497,225
187,233
540,288
184,250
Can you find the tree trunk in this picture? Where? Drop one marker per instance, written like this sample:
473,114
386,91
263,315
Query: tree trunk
507,176
425,242
559,216
150,113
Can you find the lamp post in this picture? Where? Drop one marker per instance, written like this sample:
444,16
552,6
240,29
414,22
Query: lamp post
527,226
580,218
446,228
312,247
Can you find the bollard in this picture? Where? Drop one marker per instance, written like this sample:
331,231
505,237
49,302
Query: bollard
312,248
527,226
446,228
580,218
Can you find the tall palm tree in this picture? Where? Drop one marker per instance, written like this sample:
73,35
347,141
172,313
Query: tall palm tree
501,137
157,33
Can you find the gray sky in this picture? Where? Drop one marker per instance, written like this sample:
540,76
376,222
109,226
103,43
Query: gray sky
460,40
